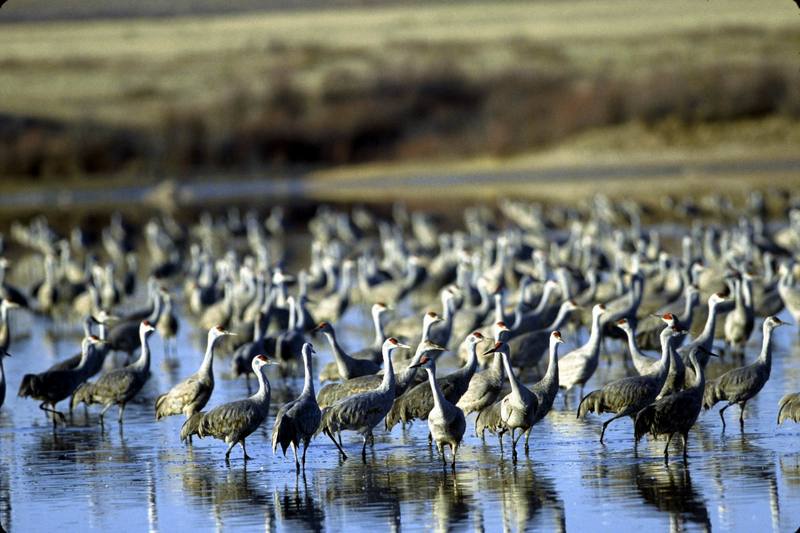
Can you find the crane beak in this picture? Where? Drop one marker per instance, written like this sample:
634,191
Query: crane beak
406,346
229,333
712,354
435,346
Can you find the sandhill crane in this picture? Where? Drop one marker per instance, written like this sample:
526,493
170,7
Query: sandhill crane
418,402
233,422
167,326
192,394
789,291
52,386
330,372
5,330
789,408
118,387
675,413
578,366
518,407
298,420
546,389
641,362
362,412
446,422
125,336
95,362
485,386
347,366
333,392
626,396
739,322
527,349
739,385
649,328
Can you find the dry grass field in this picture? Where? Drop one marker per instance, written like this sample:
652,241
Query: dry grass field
250,90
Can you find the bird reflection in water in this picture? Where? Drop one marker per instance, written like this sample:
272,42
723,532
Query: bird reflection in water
670,489
298,506
226,490
524,493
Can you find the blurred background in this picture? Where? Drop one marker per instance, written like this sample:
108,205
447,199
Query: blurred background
119,92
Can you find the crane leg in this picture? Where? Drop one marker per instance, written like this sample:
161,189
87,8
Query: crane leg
527,438
722,416
440,447
364,451
741,416
244,450
339,446
52,411
430,439
305,449
103,413
296,462
454,449
514,440
685,446
607,422
228,452
371,440
121,411
666,448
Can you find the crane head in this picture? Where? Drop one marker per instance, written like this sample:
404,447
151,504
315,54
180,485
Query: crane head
556,337
496,348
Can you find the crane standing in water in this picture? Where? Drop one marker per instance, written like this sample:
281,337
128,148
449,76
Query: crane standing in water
362,412
739,385
446,422
677,412
233,422
298,420
192,394
119,387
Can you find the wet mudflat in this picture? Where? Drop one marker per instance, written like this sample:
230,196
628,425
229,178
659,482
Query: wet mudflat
140,477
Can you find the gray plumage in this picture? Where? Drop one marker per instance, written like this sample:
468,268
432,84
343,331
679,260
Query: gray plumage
333,392
739,322
546,389
418,402
675,413
626,396
348,367
233,422
52,386
739,385
298,420
578,366
362,412
120,386
527,349
649,329
517,408
5,330
95,362
446,422
789,408
192,394
330,372
485,386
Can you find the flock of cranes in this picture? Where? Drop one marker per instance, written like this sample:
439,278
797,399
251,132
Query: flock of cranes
500,295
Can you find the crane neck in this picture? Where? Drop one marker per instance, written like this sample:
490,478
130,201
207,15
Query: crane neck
552,363
512,379
546,292
472,362
389,381
706,337
699,383
426,330
561,317
207,366
688,309
308,380
338,353
262,395
496,366
376,323
438,397
765,357
666,351
143,362
595,335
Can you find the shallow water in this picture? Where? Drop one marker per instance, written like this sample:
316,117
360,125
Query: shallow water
142,478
